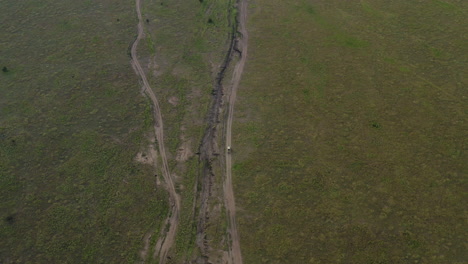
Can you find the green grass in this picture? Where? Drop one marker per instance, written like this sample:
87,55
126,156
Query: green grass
72,120
357,152
348,136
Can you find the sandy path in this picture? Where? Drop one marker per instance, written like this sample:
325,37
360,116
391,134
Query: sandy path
166,240
235,252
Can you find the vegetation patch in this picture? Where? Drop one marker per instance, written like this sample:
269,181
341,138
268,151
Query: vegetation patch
72,119
356,152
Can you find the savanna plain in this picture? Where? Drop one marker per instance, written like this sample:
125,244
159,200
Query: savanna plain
348,135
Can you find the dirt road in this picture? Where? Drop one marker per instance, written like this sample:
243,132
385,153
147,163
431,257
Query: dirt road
167,238
235,251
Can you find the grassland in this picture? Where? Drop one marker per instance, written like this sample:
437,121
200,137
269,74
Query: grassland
350,132
72,120
348,136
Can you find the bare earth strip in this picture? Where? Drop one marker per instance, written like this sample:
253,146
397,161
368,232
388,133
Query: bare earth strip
235,251
166,240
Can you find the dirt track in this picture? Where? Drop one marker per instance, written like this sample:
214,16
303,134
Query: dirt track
242,42
166,239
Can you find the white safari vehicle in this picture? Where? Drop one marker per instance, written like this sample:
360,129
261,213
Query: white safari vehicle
229,149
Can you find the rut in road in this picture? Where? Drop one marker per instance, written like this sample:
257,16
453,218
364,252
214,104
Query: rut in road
208,146
166,239
208,149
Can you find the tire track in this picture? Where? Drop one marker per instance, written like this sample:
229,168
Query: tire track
166,239
242,43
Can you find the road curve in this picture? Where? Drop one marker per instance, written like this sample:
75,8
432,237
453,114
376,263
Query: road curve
167,239
242,43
